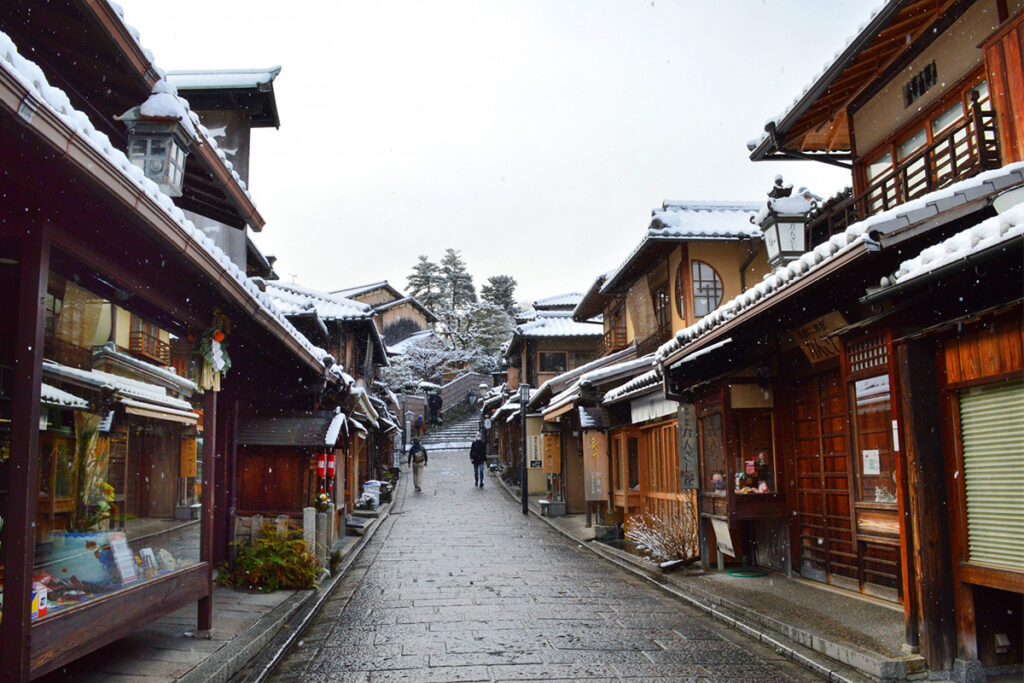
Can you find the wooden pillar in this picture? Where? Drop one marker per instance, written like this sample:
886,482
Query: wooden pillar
926,498
206,526
19,509
224,425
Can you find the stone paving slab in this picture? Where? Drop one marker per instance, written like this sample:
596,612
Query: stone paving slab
457,585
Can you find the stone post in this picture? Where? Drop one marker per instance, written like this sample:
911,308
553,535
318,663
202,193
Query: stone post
321,538
309,529
255,527
281,524
332,526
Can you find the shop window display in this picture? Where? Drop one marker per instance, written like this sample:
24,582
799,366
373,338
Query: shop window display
101,468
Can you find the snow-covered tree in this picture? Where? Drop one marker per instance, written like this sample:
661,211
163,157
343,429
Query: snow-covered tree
427,361
500,290
488,327
425,282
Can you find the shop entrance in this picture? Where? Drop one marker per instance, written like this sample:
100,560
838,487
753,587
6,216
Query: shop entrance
828,550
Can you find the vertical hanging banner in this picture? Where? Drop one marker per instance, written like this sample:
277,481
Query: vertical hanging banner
552,454
189,456
595,465
689,476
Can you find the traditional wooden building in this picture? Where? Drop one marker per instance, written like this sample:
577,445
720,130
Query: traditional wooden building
398,316
95,238
816,395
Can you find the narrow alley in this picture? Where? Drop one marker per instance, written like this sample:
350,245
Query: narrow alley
459,586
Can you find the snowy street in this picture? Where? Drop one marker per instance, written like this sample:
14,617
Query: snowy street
459,586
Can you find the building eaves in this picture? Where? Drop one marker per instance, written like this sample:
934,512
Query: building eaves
882,230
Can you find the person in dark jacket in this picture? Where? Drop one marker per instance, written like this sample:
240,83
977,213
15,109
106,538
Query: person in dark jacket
417,461
478,456
434,403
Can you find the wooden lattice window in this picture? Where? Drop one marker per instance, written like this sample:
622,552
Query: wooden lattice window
867,354
707,289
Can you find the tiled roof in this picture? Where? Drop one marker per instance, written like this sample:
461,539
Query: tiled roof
570,299
292,299
558,324
361,289
634,387
222,79
705,220
893,220
52,396
989,233
680,221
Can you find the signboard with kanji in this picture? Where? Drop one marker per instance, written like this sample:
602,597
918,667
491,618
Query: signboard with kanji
552,454
689,475
814,340
595,465
189,452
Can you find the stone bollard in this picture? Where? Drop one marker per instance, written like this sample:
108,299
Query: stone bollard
321,538
332,526
309,529
281,524
255,527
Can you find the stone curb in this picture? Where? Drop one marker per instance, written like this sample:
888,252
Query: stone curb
251,656
804,657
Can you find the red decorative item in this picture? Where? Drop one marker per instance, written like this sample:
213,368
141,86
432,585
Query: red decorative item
321,465
330,466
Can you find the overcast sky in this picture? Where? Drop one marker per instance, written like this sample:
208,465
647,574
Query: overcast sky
533,135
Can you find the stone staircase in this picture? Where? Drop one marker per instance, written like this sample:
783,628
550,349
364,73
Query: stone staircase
457,435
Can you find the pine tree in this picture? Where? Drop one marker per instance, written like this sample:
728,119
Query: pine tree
424,282
488,328
500,290
456,282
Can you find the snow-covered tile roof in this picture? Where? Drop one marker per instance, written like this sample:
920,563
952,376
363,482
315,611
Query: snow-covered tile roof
55,100
123,386
558,382
634,387
221,79
680,221
807,264
360,289
338,422
558,324
166,373
612,371
568,299
52,396
292,299
705,220
986,234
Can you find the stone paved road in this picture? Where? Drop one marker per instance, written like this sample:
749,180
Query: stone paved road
457,585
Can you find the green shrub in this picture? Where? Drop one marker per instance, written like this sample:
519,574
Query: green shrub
273,561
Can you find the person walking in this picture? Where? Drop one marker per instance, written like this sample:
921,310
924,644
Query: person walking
434,402
417,461
478,456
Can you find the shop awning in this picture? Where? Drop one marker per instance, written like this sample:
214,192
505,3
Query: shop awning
300,429
158,412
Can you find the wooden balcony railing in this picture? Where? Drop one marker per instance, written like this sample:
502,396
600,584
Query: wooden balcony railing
966,149
614,340
144,344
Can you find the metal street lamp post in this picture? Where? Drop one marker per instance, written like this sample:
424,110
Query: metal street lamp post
524,397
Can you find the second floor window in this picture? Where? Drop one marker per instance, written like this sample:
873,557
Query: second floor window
681,290
551,361
707,289
662,310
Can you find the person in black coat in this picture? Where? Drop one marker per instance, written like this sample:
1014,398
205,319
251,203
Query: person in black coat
478,456
434,403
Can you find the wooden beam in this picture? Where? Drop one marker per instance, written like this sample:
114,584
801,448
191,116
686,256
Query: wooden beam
206,524
926,476
19,501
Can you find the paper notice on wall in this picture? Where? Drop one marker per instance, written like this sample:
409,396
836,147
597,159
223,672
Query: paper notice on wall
723,538
872,465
